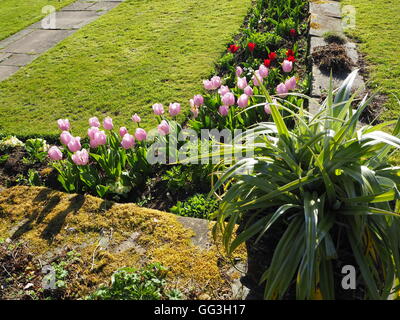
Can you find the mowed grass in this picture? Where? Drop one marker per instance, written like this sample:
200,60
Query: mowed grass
377,26
18,14
140,53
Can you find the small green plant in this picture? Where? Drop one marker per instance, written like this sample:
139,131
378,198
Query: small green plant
197,206
34,178
132,284
37,149
4,158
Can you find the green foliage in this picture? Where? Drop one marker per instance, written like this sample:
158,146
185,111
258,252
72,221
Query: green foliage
131,284
36,149
4,158
197,206
34,178
329,184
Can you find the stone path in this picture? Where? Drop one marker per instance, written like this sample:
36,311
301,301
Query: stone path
326,16
26,45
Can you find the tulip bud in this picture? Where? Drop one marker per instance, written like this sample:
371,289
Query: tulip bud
55,153
63,124
108,123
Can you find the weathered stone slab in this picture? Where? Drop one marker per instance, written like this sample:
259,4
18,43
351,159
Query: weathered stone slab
326,8
4,55
103,5
321,24
78,5
6,71
7,41
18,59
38,41
66,20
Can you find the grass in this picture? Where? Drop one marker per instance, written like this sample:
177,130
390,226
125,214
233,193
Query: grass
377,28
140,53
18,14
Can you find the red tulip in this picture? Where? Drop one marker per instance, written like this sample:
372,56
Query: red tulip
293,32
233,48
291,58
290,53
272,56
267,62
251,46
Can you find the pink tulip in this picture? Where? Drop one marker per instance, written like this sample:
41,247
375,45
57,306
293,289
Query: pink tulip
108,123
287,66
174,109
216,82
163,128
291,83
223,90
223,110
282,90
55,153
195,111
263,71
248,90
80,158
198,100
257,79
267,108
243,101
92,131
191,103
123,131
228,99
65,137
242,83
94,122
136,118
63,124
99,139
128,141
158,109
207,85
74,144
239,71
140,134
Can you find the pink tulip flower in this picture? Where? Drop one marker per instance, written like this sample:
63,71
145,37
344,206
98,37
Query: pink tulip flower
65,137
198,100
195,111
248,90
136,118
99,139
282,90
81,158
174,109
263,71
123,131
243,101
207,85
108,123
223,90
287,66
55,153
216,82
291,83
63,124
163,128
239,71
242,83
267,108
191,103
228,99
74,144
94,122
257,79
140,134
223,110
92,131
128,141
158,109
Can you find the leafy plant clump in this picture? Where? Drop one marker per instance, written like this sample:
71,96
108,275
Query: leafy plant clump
330,185
197,206
128,283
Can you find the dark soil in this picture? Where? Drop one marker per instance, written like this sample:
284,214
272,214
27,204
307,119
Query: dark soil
332,57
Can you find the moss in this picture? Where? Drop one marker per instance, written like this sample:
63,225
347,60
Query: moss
109,236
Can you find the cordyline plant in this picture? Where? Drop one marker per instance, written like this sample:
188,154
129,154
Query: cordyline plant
325,177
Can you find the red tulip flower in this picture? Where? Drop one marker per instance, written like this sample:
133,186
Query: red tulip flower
293,32
290,53
267,62
251,46
272,56
291,58
233,48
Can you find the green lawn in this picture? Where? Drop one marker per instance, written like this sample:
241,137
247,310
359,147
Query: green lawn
18,14
377,26
140,53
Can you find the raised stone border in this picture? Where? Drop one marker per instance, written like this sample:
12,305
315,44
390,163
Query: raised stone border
326,16
26,45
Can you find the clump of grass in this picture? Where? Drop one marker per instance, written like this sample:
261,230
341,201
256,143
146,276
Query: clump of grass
334,37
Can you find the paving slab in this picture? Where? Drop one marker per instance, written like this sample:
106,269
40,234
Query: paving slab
38,41
4,55
19,35
78,5
326,8
67,20
103,5
6,71
18,59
